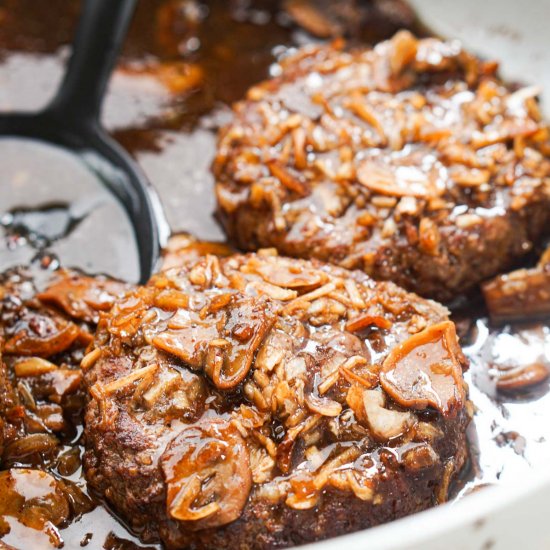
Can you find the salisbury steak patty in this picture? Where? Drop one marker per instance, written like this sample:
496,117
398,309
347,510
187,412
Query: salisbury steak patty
411,161
260,402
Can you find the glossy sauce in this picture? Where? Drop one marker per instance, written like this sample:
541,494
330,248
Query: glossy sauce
54,205
178,75
510,435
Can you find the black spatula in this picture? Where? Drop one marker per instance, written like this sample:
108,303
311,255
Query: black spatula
71,121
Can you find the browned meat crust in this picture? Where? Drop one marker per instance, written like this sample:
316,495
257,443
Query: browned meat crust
260,402
411,161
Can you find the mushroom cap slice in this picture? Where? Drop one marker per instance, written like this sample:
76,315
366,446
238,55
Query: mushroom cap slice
206,468
426,370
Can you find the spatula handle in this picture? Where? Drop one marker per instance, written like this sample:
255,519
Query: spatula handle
101,31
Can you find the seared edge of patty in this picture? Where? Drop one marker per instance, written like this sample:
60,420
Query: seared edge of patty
258,401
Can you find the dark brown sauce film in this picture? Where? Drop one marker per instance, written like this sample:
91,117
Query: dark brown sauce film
184,63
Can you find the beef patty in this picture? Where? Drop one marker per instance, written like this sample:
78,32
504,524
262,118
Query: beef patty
257,401
411,161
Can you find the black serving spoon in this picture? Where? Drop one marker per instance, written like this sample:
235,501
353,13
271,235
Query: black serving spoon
71,121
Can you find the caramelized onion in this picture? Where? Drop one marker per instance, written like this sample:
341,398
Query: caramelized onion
28,445
369,407
33,497
366,320
33,366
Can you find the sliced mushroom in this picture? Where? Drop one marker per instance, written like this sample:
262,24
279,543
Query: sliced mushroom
41,333
426,370
284,273
520,295
188,341
247,325
420,457
273,351
523,377
55,384
223,343
207,473
184,248
174,394
82,297
37,444
127,314
323,18
382,178
322,405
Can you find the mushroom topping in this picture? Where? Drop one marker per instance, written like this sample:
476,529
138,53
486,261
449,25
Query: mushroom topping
246,328
207,472
189,338
230,396
369,407
82,297
223,342
41,333
174,394
523,377
426,370
284,273
183,248
520,295
52,385
396,181
323,18
322,405
38,444
420,457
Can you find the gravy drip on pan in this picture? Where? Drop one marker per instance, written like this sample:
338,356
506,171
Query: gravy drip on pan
184,63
